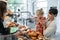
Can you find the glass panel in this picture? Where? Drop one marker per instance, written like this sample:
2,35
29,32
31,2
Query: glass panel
17,4
27,5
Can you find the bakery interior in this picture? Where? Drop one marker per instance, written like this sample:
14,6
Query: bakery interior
20,16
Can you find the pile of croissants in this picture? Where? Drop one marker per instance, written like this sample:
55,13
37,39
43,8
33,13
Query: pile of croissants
35,35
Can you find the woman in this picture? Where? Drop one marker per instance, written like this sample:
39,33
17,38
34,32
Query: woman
51,25
3,10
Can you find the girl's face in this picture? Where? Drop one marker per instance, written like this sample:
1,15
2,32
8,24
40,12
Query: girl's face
50,16
39,14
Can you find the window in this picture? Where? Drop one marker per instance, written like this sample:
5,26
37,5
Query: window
14,5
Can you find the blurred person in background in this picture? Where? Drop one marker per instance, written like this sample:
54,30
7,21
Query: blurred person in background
3,10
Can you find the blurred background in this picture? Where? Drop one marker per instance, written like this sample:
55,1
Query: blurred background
23,10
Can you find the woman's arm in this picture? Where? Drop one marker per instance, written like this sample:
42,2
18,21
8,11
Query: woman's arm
51,29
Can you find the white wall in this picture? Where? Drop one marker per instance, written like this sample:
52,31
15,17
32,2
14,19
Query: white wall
58,17
52,3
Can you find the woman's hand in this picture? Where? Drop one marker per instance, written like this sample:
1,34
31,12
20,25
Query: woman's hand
11,24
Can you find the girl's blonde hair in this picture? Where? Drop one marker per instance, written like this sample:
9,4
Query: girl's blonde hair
40,11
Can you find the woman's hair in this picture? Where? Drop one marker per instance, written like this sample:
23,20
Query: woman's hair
3,7
53,11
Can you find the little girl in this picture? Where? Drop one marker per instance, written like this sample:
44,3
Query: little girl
40,21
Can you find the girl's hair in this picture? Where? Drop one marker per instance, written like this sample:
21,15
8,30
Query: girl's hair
40,11
3,7
53,11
